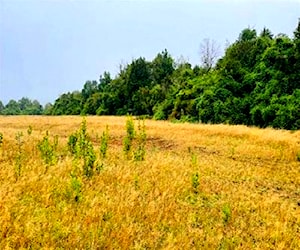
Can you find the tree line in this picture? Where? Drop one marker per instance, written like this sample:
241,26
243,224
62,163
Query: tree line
24,106
256,82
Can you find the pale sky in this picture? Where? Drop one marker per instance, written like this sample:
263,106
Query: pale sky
49,47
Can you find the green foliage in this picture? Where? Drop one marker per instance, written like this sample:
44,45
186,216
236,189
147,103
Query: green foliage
256,82
104,143
81,147
74,192
136,182
48,109
134,142
48,150
163,110
162,67
82,141
89,159
89,88
226,214
195,182
24,106
130,135
73,138
247,35
29,130
139,153
92,103
68,104
11,108
127,147
1,107
107,216
85,150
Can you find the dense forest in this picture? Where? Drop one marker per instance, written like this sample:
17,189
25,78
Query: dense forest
256,82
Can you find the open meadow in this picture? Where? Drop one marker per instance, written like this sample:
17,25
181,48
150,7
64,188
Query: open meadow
159,185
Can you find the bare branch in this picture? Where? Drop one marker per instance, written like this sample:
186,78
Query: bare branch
209,53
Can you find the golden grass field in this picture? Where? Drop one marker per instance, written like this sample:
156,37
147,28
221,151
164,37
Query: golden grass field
199,187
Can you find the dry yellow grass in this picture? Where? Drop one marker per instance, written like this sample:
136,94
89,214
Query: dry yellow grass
248,195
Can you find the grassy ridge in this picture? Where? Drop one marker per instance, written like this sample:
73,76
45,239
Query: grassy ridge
200,186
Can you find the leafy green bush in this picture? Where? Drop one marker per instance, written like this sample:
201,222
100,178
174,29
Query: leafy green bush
48,150
195,182
74,191
130,135
104,143
73,138
81,147
139,153
226,211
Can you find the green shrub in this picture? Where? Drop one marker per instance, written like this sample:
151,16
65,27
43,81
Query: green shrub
195,182
128,140
74,191
48,150
29,130
139,153
104,143
81,147
226,211
73,138
89,159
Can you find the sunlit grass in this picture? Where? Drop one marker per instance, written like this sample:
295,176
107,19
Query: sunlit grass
199,187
